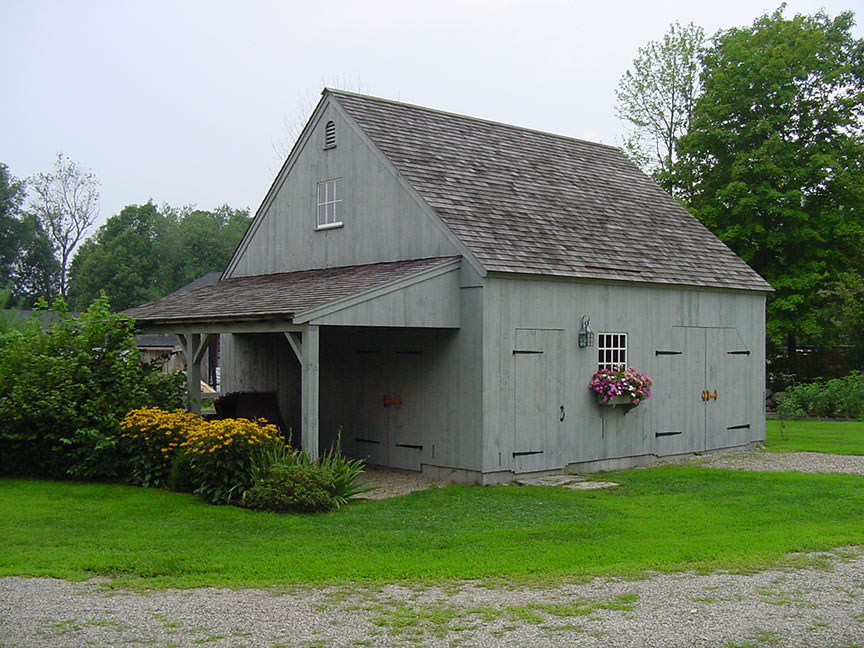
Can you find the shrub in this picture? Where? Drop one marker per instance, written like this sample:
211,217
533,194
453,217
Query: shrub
836,398
221,456
340,474
182,476
305,488
149,440
345,474
64,391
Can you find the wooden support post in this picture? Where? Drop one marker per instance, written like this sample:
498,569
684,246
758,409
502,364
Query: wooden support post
193,345
309,385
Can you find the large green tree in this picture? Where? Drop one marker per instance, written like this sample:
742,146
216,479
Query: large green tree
656,97
773,162
145,252
28,269
124,258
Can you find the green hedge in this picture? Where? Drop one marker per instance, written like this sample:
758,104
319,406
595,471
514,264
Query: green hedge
837,398
64,390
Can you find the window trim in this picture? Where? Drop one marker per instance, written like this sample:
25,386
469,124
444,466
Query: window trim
621,348
338,204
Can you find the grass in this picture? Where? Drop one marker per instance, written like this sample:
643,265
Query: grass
833,437
667,519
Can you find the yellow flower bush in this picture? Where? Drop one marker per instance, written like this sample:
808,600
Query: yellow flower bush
219,452
221,455
150,439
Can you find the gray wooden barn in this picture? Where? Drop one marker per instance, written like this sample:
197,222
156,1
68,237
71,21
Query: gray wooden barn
418,280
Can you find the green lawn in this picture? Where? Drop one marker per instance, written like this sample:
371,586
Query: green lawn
669,518
834,437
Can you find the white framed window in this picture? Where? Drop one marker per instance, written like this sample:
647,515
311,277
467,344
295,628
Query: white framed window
330,205
611,350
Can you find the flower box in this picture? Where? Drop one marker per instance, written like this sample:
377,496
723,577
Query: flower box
620,386
621,399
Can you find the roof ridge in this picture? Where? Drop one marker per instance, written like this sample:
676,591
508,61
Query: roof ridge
446,113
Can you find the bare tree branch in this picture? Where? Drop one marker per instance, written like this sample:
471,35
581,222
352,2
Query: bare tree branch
66,205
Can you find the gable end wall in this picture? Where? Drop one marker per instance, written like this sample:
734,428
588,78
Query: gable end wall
382,220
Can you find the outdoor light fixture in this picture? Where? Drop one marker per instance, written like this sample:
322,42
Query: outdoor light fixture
586,335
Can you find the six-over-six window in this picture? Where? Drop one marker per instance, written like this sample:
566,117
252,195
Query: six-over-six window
611,350
330,203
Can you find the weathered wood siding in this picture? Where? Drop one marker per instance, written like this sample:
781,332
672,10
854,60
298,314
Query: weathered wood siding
383,219
431,303
263,362
436,374
718,337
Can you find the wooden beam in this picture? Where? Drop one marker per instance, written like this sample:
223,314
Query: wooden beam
296,344
202,347
309,388
269,326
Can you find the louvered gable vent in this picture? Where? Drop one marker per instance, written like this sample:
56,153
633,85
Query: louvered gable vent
330,135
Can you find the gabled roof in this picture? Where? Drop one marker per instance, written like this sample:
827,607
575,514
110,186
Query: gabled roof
524,201
277,296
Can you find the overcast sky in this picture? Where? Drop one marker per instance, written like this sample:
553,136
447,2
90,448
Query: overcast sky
196,102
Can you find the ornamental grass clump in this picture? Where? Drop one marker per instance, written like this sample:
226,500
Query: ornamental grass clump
221,455
610,382
150,439
290,480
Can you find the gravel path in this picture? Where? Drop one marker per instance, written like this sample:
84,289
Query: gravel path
809,462
818,606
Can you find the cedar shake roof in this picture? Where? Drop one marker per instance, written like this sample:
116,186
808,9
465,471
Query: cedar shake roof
523,201
275,296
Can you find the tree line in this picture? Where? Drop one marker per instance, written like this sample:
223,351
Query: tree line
138,255
759,132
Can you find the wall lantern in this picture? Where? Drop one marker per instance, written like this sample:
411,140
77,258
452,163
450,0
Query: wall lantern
586,335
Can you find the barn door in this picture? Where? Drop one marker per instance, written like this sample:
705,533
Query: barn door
365,387
676,400
405,409
727,383
539,412
701,391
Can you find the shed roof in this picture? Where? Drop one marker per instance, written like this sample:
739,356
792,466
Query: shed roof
277,296
524,201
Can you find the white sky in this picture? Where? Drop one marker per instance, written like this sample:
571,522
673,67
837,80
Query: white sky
188,102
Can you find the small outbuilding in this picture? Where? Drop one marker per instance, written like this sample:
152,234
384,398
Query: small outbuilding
415,282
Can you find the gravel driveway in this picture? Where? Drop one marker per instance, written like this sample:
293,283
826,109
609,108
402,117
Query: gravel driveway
818,606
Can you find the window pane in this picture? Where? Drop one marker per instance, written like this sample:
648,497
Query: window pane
330,213
321,214
337,189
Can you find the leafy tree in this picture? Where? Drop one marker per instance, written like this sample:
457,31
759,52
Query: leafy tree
28,269
65,204
12,192
144,253
774,158
207,239
36,272
124,258
656,98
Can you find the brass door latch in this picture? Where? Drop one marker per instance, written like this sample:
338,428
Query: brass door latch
387,401
706,395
